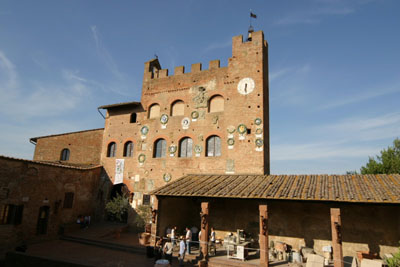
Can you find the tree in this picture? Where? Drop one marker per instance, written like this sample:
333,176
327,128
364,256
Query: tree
118,207
388,162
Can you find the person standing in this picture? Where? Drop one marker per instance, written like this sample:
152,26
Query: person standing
188,239
182,250
173,233
168,249
212,239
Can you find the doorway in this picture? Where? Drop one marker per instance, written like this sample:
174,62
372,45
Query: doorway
43,219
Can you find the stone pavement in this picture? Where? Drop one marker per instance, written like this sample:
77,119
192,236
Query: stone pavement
88,255
79,253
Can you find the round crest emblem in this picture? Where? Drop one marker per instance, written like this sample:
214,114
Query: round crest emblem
164,118
259,142
259,131
230,141
231,129
144,130
242,129
172,149
142,158
194,115
257,121
198,149
185,122
167,177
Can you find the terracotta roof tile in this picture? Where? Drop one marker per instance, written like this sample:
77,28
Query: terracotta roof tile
380,188
55,163
34,139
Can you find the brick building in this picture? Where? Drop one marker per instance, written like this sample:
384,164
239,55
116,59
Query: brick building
203,136
203,121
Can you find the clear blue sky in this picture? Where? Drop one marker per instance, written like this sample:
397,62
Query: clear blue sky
334,68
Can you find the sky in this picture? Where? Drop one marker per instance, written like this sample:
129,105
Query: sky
334,69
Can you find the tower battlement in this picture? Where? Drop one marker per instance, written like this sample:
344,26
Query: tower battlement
153,70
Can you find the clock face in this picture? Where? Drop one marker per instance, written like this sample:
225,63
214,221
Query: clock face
246,86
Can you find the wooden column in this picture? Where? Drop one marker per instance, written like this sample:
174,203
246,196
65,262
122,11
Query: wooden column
204,231
263,237
154,220
336,226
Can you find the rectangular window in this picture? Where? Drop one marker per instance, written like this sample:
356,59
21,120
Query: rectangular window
68,200
146,199
11,214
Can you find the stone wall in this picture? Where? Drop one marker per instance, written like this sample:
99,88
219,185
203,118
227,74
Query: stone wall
85,147
35,185
195,89
364,226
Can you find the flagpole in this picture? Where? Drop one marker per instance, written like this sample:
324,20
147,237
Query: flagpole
250,18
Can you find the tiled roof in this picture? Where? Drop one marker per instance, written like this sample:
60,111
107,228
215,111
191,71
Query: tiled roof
56,163
379,188
138,104
34,139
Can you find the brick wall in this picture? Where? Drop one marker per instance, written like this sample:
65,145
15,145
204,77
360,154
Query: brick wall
35,185
365,226
249,60
85,147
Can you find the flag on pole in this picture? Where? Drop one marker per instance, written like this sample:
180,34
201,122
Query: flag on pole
252,15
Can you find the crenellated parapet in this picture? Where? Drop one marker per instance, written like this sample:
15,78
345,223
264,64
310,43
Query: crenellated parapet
240,49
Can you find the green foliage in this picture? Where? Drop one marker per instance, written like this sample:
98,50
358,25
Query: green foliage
118,206
395,261
143,216
388,162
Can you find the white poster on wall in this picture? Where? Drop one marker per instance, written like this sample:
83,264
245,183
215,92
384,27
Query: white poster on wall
119,171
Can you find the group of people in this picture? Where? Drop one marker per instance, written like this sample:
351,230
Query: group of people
185,244
83,221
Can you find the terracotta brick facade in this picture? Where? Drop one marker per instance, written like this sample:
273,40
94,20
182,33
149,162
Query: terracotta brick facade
215,102
35,185
84,147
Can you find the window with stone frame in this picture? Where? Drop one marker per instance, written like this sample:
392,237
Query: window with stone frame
65,154
133,118
216,104
185,147
68,200
178,108
146,199
11,214
213,146
128,149
111,149
160,148
154,111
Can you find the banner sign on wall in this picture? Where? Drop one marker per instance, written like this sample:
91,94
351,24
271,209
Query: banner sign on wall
119,171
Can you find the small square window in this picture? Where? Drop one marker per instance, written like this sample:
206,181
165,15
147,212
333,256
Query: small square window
146,199
68,200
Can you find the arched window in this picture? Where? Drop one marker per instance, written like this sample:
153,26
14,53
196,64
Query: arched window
213,146
160,148
133,118
65,154
154,111
185,147
216,104
111,149
128,149
178,108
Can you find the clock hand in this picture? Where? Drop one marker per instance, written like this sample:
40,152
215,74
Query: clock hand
245,87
